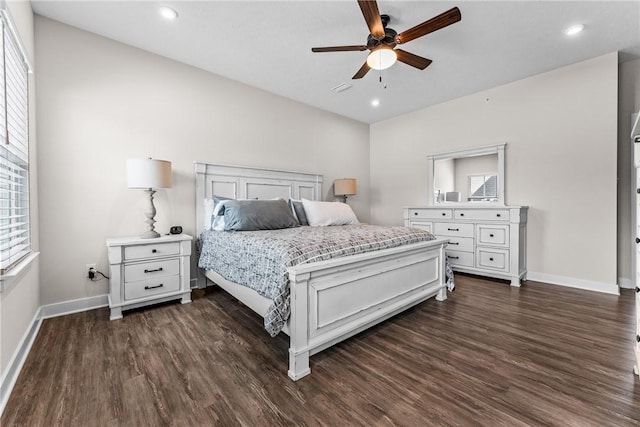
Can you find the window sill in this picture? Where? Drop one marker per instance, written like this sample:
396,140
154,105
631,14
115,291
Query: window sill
8,279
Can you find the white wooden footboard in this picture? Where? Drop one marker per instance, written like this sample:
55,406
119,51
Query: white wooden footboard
333,300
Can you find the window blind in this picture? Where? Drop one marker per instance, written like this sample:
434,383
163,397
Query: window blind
15,237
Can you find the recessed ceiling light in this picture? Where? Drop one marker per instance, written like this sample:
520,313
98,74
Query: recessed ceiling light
375,102
574,29
168,13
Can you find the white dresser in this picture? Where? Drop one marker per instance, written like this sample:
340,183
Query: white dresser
483,240
635,138
148,271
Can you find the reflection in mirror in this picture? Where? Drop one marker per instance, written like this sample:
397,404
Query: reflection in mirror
469,176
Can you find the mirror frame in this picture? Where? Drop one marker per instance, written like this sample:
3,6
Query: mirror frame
469,152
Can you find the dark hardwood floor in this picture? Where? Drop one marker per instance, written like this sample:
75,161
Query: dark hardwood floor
490,355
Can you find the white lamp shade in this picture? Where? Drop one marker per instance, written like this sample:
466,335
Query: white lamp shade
344,187
382,58
148,173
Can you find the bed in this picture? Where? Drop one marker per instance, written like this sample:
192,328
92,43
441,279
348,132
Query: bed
332,299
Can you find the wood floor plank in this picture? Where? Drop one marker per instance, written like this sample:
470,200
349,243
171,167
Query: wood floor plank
490,355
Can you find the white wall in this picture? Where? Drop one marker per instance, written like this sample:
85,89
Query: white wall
19,303
628,103
101,102
560,128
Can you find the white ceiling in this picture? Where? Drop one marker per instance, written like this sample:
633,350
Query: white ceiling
267,44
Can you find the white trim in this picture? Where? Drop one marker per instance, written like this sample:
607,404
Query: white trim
73,306
10,376
9,278
6,15
625,283
572,282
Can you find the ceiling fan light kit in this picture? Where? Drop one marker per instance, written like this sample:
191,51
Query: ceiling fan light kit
382,41
382,58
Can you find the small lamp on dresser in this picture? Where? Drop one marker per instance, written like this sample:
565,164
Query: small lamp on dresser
149,174
344,187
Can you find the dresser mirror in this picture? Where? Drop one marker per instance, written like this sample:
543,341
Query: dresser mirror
470,176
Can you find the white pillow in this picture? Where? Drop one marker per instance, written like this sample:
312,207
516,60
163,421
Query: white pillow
218,220
208,214
328,213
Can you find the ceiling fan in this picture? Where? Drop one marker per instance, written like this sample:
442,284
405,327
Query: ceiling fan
382,41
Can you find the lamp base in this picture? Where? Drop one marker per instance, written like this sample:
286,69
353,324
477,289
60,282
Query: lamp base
150,235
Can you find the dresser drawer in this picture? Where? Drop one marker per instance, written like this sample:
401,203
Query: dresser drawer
151,251
143,271
496,235
482,214
430,213
493,259
453,229
150,287
422,225
464,244
460,258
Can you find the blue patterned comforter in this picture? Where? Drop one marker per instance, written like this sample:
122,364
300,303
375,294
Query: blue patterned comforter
259,259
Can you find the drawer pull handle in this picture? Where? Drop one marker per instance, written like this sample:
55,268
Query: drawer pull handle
490,259
637,240
153,251
461,214
444,214
453,229
153,271
453,257
638,338
154,287
454,243
637,289
490,235
415,213
498,215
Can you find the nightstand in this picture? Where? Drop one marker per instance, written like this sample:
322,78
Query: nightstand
148,271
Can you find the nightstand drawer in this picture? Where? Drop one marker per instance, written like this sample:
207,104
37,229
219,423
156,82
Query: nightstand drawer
494,259
429,213
143,271
460,258
151,251
155,286
453,229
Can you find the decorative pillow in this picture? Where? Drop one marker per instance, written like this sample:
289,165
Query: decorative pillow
251,215
298,211
328,213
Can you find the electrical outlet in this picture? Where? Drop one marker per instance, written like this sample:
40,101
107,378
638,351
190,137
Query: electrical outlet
89,267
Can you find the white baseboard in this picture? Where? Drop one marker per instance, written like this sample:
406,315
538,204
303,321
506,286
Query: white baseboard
572,282
73,306
17,360
625,283
193,283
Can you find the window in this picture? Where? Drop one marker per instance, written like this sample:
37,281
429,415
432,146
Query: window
483,187
15,237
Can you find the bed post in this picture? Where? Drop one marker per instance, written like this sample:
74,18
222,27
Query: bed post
298,326
442,293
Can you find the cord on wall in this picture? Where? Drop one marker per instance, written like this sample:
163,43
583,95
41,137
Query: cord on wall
92,275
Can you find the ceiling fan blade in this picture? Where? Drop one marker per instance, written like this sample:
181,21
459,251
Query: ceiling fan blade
338,48
413,60
371,14
361,72
447,18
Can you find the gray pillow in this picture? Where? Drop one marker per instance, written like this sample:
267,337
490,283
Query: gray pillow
299,210
251,215
218,199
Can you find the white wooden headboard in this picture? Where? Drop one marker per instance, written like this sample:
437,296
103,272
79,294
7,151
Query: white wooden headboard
240,182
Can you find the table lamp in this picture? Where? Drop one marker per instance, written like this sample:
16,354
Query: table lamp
149,174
